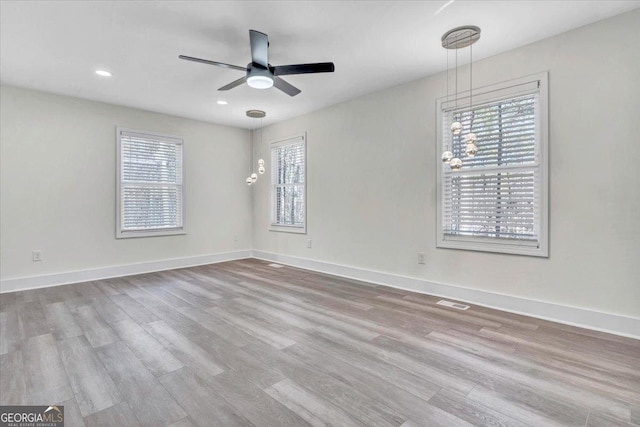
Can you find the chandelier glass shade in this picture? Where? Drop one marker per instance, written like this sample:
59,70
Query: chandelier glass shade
455,163
447,156
456,128
471,150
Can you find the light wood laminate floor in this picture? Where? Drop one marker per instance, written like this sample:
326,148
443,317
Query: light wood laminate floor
243,343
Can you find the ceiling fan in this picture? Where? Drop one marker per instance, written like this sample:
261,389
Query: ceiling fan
262,75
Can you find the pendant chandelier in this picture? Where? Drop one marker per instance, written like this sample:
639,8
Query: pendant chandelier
255,114
455,39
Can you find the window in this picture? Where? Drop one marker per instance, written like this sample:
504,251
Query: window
497,201
288,188
150,184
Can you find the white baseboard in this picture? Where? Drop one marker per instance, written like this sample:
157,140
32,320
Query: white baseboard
575,316
65,278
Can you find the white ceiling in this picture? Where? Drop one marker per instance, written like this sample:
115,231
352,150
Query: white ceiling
56,46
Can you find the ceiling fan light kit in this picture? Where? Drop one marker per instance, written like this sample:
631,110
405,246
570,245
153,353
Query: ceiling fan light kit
455,39
259,74
260,81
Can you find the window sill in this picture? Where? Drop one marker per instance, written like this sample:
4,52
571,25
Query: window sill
295,229
510,248
151,233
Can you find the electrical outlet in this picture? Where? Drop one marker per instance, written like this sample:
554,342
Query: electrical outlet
235,239
421,258
309,243
36,256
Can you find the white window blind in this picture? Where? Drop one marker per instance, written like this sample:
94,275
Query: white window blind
288,184
496,200
150,184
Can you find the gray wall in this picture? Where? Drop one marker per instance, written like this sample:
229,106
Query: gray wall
58,176
371,177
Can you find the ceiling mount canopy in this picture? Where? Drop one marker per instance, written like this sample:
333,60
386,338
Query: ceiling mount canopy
461,37
262,75
256,114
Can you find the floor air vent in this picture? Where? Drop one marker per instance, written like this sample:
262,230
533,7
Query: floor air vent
452,304
274,265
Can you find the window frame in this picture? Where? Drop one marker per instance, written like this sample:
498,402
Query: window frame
273,226
123,234
504,90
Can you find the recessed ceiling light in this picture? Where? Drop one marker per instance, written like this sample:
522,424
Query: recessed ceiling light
222,102
103,73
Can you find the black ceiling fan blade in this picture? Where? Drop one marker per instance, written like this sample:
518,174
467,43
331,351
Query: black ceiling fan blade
320,67
287,88
259,48
206,61
234,83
